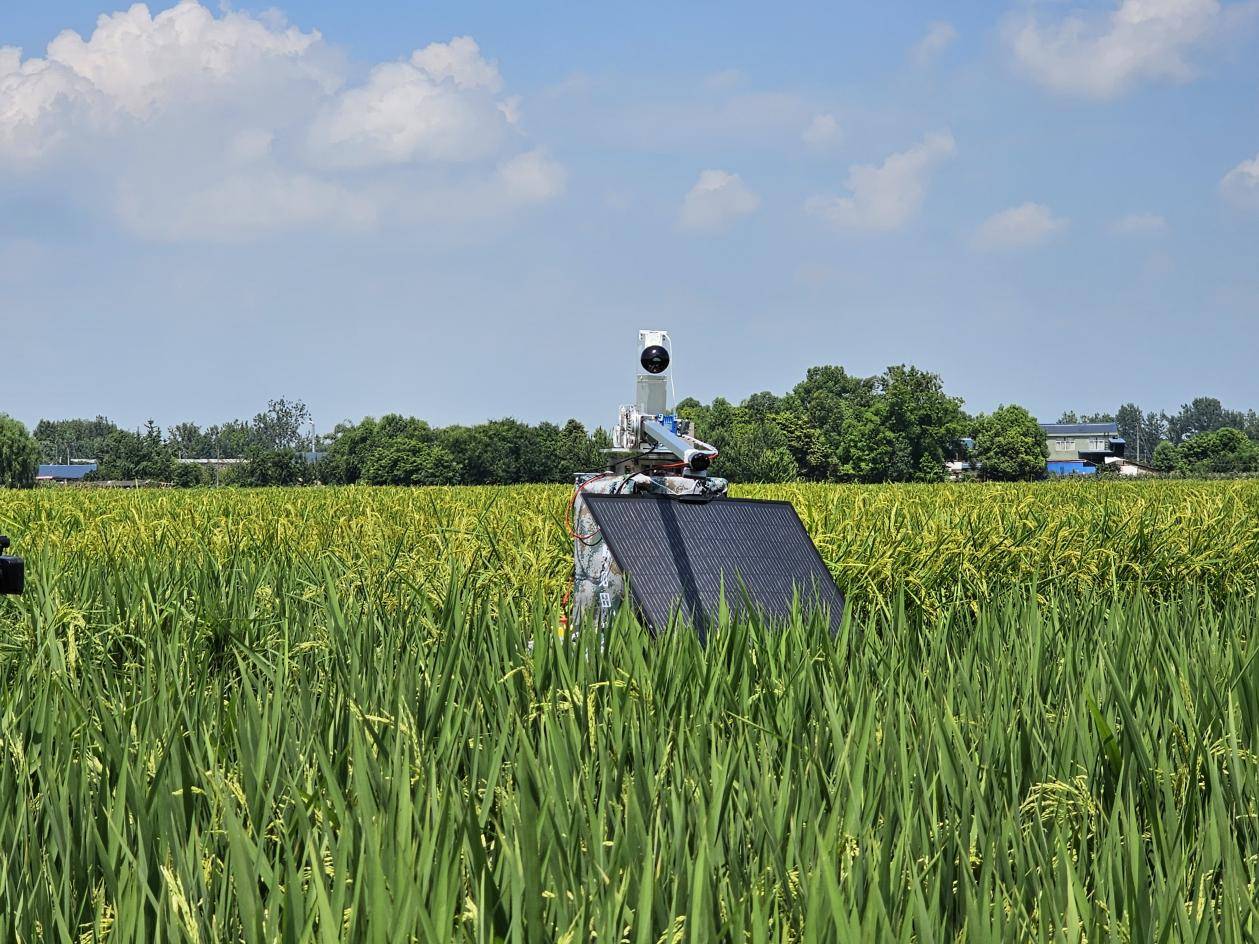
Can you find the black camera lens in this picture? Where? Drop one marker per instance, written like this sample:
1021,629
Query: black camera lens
655,359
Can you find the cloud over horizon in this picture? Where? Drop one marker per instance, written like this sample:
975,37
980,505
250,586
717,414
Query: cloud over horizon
1020,227
939,37
185,125
716,201
1240,186
1091,55
883,197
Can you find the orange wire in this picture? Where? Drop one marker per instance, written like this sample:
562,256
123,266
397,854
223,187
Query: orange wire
570,523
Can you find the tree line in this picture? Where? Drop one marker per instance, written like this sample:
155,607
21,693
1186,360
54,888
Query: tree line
898,426
832,426
277,447
1202,438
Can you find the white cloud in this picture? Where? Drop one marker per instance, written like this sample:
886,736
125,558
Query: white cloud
1240,186
885,196
1020,227
187,125
823,132
135,65
460,61
1102,56
405,113
1140,224
940,36
530,178
717,200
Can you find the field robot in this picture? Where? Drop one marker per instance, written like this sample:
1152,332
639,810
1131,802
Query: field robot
658,530
653,451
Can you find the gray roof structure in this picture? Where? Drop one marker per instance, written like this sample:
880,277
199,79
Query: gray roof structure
1080,429
69,472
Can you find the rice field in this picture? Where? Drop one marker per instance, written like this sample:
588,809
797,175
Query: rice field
345,715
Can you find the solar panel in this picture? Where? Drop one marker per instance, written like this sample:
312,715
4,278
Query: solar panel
679,555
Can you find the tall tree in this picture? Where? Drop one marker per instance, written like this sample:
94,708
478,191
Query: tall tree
19,454
66,440
1153,432
1202,415
140,455
230,440
1129,419
282,425
402,461
828,398
1219,450
1010,446
923,422
189,441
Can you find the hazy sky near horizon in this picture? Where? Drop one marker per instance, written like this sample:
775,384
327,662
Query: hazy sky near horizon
463,211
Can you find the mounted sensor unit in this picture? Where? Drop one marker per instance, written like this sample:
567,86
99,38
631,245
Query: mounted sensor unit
681,557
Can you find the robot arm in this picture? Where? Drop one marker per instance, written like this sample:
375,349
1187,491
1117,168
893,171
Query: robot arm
696,459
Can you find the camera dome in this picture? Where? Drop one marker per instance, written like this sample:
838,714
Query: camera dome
655,359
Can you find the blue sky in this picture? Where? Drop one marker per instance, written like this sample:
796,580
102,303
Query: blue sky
465,211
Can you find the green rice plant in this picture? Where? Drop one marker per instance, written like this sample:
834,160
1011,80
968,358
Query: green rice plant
345,715
446,770
935,544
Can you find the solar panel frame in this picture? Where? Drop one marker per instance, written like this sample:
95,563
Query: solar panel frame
648,542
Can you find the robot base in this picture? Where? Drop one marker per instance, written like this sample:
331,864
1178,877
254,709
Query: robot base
598,584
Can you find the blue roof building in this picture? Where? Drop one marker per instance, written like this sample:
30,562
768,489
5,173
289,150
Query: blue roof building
1094,443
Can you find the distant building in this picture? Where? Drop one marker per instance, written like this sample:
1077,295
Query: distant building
64,473
1073,446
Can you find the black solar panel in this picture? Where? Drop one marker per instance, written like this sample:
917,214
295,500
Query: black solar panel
677,554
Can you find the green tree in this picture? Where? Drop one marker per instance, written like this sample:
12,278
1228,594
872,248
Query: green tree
865,450
1070,416
1220,450
501,452
579,451
230,440
19,454
1202,415
189,441
828,398
265,467
1010,446
350,451
403,461
923,423
755,451
1166,457
64,440
141,456
282,425
807,447
190,475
